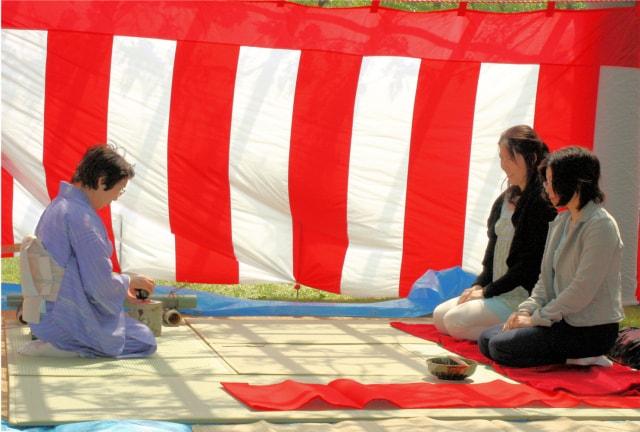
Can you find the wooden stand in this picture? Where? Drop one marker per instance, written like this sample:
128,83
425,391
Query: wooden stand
149,313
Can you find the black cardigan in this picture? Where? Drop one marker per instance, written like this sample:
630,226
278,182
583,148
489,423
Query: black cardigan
531,221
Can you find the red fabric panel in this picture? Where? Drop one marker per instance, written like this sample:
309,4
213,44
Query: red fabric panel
198,159
345,393
566,105
618,381
438,168
319,166
288,395
7,210
607,36
75,110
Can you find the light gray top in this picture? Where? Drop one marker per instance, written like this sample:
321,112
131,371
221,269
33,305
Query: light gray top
580,275
504,232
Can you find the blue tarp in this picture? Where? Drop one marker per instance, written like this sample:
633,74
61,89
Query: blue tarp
430,290
106,426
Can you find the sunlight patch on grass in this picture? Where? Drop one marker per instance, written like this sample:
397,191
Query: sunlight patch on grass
632,317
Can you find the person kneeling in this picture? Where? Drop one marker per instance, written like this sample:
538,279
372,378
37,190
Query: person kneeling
517,228
87,318
573,313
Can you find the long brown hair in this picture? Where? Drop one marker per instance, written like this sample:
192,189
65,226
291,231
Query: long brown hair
525,141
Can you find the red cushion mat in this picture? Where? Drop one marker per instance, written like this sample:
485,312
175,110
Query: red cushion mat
345,393
580,381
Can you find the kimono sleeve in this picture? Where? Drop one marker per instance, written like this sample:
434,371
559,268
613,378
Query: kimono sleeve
92,249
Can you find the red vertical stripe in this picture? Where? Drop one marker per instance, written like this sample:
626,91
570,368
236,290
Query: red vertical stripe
75,106
199,132
438,168
319,166
7,210
566,105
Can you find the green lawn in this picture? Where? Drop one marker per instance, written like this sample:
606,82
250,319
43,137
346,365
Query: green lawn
286,292
632,316
265,291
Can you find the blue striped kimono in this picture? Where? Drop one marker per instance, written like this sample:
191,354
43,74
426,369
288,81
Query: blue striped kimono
88,316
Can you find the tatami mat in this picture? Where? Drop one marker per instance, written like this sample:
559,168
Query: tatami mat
308,331
180,352
423,424
342,347
340,360
168,387
49,400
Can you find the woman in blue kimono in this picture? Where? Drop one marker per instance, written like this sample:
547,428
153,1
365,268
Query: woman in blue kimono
87,318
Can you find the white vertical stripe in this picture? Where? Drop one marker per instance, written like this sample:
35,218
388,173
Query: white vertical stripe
259,163
138,121
506,97
381,137
617,144
24,57
26,212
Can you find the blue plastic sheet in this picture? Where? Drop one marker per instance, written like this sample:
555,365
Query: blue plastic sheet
106,426
430,290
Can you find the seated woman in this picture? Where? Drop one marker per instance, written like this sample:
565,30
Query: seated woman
87,318
517,229
573,313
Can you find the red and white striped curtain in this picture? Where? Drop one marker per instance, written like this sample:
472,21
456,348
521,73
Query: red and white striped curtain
344,149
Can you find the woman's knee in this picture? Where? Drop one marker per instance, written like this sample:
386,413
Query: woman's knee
463,323
485,338
438,316
467,332
499,349
510,349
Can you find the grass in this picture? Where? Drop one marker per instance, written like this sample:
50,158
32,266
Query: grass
285,292
265,291
632,316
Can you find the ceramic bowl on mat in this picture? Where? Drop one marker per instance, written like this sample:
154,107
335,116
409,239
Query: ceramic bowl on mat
451,367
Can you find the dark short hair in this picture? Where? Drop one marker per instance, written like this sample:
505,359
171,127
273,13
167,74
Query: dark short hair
575,169
525,141
102,161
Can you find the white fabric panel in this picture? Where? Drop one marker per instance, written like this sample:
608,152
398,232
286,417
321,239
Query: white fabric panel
139,243
24,57
259,163
506,97
381,137
26,212
617,144
138,121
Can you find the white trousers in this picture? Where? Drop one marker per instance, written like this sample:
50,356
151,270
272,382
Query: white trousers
464,321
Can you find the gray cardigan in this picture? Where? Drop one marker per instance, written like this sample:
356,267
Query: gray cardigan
587,273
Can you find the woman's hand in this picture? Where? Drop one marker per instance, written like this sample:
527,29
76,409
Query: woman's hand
473,293
140,282
518,320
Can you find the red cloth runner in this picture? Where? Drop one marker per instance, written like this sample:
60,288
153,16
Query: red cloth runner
345,393
557,386
617,380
